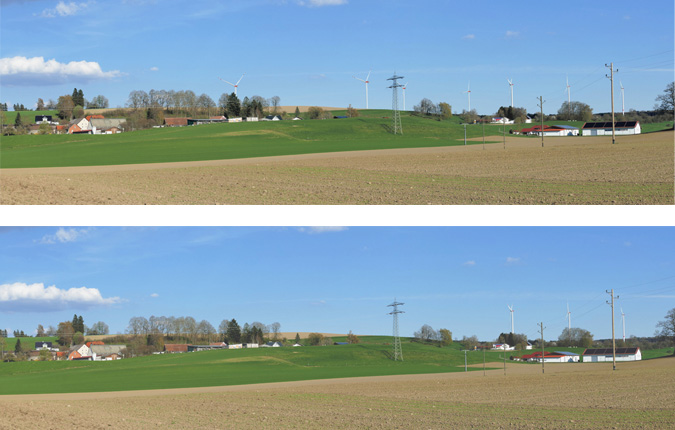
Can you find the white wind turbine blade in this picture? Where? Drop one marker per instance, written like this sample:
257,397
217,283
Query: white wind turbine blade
358,79
226,81
368,77
242,77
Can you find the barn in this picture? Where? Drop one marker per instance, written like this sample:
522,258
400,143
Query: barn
550,130
605,128
552,357
600,355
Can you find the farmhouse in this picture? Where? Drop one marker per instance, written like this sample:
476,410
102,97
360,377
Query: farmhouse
552,357
551,130
175,122
107,352
271,344
600,355
502,120
96,124
176,347
503,347
605,128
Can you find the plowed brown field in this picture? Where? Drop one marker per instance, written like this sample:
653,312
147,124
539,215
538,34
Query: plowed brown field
638,395
637,170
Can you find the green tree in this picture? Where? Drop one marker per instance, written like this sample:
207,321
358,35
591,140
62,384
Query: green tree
18,349
45,355
446,337
233,331
667,327
45,128
352,338
65,107
469,342
297,338
64,333
446,110
78,338
315,112
80,98
80,324
17,121
233,105
297,112
78,112
315,339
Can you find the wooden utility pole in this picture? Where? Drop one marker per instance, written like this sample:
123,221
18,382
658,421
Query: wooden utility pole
541,105
611,293
483,136
504,133
611,79
541,330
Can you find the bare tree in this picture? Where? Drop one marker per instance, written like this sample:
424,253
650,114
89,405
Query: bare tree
667,99
274,102
274,329
667,327
138,325
426,333
206,329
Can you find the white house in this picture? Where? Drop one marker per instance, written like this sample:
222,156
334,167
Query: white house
552,357
502,120
106,352
600,355
251,345
503,347
605,128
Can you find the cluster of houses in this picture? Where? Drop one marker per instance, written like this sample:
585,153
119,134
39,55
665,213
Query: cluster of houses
90,124
588,129
184,121
590,355
173,348
91,351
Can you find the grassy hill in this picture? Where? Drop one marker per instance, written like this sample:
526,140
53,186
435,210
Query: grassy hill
230,367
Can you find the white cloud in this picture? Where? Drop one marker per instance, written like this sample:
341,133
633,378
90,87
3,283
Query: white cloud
154,69
35,297
512,260
318,230
469,37
512,34
154,295
37,71
319,3
469,263
64,236
66,9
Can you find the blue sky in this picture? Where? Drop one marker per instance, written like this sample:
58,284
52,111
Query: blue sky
306,51
341,279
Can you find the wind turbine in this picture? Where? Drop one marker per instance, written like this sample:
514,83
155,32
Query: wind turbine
623,322
366,82
569,324
404,87
622,105
468,91
569,100
511,86
511,309
234,85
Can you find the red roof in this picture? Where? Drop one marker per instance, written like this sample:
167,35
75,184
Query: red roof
175,347
537,128
95,342
89,117
538,355
175,121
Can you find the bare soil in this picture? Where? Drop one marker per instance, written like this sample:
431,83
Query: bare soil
637,170
573,395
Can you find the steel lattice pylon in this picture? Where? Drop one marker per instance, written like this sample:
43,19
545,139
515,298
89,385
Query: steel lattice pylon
398,353
394,105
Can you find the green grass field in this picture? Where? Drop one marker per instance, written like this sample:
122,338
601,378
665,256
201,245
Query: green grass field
228,367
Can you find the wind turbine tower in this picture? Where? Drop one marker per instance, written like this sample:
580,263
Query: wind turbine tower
468,91
511,309
234,85
366,81
569,100
569,318
404,87
511,86
623,107
623,322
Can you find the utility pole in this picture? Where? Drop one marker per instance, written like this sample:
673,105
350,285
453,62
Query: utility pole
464,134
483,136
465,366
483,361
611,78
541,105
611,293
504,133
541,330
398,353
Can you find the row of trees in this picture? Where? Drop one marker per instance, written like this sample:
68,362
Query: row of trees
189,328
430,109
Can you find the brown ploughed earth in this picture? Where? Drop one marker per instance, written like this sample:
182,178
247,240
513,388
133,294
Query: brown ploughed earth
637,170
638,395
